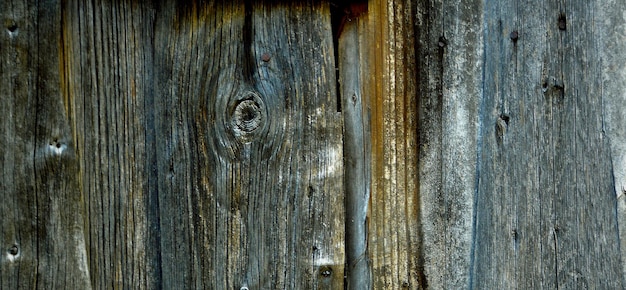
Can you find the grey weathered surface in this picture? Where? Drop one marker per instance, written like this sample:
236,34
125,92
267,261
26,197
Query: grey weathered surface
210,143
41,212
449,61
516,172
546,204
108,63
249,169
357,151
610,37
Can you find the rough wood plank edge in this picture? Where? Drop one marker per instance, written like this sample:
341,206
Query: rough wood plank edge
612,35
356,152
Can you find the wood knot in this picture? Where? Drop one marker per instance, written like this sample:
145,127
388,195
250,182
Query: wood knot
247,116
443,42
502,124
243,118
12,27
514,35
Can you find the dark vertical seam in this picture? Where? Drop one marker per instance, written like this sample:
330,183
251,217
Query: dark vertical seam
419,91
479,144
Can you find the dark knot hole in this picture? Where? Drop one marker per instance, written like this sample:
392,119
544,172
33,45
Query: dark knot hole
249,113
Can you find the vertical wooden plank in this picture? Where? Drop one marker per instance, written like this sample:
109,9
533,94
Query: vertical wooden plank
514,196
107,51
611,36
546,205
249,157
584,181
182,190
356,143
450,59
42,237
389,88
18,235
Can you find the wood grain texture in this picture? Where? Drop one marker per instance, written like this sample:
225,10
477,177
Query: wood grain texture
513,144
390,94
210,143
200,144
250,164
41,215
357,152
422,85
109,81
610,38
546,204
449,63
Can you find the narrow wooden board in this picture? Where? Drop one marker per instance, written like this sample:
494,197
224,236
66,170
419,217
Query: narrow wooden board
610,36
356,144
41,235
449,71
389,92
108,78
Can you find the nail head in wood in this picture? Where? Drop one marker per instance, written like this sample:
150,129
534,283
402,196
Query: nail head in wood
562,22
443,42
326,271
514,35
12,27
266,57
14,250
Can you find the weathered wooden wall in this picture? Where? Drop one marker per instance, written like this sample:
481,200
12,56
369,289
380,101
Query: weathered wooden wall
205,139
546,185
204,144
514,176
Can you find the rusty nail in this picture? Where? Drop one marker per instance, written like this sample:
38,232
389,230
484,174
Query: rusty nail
266,57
